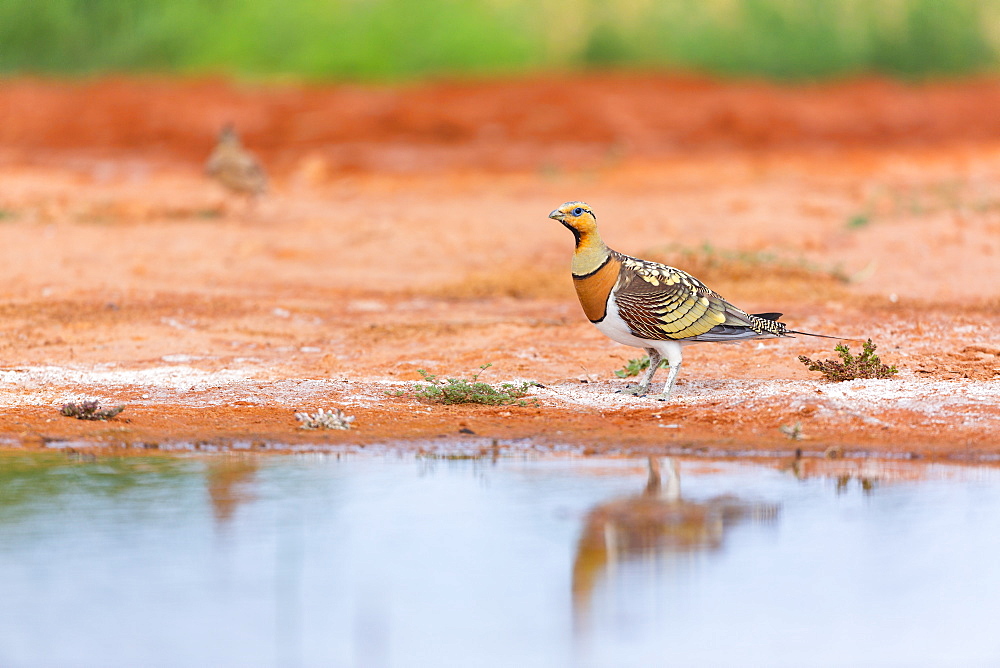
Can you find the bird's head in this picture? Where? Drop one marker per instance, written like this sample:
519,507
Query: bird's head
227,135
578,217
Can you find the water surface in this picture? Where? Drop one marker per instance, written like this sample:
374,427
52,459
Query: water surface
321,560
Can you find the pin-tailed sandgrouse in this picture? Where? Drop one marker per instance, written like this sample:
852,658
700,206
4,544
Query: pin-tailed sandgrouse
653,306
235,167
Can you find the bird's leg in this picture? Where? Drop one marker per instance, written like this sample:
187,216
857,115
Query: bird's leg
653,483
674,360
643,386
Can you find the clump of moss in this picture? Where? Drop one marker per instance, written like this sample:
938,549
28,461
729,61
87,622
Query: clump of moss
90,410
849,367
325,419
471,390
635,366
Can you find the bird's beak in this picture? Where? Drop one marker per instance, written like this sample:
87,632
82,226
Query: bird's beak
556,214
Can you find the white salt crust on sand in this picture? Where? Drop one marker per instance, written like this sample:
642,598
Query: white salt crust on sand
183,385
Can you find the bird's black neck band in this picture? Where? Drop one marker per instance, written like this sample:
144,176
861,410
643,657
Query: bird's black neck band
576,232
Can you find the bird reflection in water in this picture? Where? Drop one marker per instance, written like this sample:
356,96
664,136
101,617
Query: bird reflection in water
653,526
229,481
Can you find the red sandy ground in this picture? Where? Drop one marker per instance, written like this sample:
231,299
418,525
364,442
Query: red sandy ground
407,229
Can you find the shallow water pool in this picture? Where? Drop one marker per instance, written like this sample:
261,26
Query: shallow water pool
393,560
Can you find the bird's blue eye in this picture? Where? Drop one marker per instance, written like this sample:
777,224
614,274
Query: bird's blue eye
578,211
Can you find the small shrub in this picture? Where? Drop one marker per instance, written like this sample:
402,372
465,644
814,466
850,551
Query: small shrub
865,365
858,220
471,391
792,431
90,410
325,419
634,367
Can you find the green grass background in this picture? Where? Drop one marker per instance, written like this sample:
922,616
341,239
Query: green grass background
404,39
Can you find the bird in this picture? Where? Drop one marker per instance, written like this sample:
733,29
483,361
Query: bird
235,167
654,306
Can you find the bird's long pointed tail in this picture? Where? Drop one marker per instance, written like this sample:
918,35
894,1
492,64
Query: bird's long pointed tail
822,336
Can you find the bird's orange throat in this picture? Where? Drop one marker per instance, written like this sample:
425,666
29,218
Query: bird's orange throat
595,273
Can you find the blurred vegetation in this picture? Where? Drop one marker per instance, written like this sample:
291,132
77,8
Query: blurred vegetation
392,39
58,481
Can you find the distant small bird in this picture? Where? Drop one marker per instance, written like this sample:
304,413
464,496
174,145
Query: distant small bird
235,167
653,306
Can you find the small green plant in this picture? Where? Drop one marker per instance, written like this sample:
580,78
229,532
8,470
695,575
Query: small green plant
635,366
858,220
865,365
325,419
90,410
471,390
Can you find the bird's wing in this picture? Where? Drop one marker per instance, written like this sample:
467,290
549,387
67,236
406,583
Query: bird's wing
237,169
252,172
249,163
659,303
